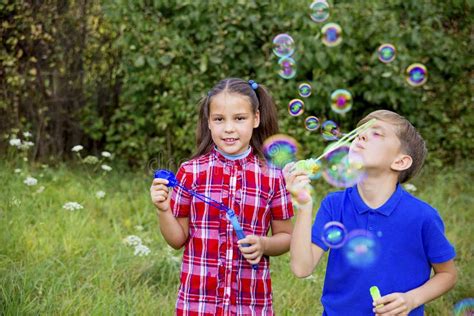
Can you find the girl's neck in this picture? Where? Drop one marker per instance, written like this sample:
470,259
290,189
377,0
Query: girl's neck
234,157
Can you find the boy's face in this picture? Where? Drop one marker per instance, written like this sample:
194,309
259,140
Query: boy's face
380,148
231,121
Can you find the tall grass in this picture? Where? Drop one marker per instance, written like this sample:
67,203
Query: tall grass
59,262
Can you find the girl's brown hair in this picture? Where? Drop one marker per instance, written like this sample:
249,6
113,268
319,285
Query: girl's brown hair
260,100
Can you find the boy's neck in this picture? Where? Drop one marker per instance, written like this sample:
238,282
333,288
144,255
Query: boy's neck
375,191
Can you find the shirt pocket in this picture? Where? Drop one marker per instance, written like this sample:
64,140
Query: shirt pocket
254,205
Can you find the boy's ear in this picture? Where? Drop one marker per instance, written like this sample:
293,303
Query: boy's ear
402,162
256,121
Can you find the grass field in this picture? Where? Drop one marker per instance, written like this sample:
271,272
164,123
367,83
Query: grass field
55,261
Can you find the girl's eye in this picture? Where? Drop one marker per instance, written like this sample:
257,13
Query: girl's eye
240,118
218,119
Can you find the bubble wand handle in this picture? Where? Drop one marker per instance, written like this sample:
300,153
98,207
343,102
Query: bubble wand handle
230,214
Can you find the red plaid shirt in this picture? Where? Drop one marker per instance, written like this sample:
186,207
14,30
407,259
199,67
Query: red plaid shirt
215,277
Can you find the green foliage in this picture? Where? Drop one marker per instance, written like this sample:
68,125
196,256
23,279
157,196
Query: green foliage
59,262
144,65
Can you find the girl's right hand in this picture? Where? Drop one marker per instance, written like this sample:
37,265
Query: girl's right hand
160,194
297,182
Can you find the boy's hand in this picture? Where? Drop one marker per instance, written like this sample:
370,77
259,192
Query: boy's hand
394,304
296,182
254,252
159,193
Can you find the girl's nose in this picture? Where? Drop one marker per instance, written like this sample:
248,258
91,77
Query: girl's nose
229,127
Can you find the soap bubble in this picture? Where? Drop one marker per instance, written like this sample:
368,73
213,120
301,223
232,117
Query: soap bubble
361,249
304,90
332,34
283,45
296,107
341,101
334,235
417,74
330,130
386,53
280,150
311,123
341,169
312,167
464,307
319,11
287,67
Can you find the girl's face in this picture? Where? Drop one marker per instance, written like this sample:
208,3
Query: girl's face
231,121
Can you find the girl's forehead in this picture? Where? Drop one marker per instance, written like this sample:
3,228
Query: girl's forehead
230,102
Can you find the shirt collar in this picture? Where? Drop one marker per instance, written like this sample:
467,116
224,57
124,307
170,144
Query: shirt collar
240,162
386,209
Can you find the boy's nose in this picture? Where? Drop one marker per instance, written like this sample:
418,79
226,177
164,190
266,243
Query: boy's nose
362,136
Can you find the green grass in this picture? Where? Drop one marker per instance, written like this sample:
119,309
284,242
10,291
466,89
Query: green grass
59,262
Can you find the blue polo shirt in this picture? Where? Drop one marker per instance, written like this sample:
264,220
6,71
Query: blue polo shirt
410,236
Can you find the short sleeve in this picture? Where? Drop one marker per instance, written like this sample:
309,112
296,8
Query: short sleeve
180,202
281,206
437,247
322,218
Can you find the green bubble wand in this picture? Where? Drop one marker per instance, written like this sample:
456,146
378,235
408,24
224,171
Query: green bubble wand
311,165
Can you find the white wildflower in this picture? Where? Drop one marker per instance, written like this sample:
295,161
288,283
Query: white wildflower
100,194
40,189
141,250
410,187
72,206
17,170
27,134
106,167
26,145
91,160
106,154
132,240
15,142
30,181
77,148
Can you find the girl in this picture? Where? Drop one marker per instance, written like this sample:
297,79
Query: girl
216,274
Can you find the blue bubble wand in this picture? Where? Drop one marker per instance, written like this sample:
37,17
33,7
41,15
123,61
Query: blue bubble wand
230,214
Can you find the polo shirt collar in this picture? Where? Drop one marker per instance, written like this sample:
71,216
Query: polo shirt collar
386,209
240,162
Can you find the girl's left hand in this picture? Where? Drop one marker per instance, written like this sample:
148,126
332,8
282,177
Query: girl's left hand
254,252
394,304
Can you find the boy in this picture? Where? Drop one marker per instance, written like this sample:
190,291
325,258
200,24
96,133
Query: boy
410,233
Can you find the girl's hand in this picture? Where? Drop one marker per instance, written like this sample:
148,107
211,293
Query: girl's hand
255,251
296,183
160,196
394,304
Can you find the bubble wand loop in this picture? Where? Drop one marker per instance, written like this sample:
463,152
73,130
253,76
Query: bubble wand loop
346,139
230,214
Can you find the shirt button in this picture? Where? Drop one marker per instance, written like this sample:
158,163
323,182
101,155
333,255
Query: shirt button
226,296
371,227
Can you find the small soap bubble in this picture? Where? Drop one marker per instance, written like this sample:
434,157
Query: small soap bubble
296,107
341,101
319,11
304,90
464,307
334,235
330,130
332,34
311,123
386,53
280,150
417,75
283,45
361,249
341,169
287,66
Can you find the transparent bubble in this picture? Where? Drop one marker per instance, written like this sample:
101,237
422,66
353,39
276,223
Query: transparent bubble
334,235
280,150
287,67
341,101
296,107
361,249
311,123
304,90
330,130
319,11
341,169
464,307
386,53
332,34
417,74
312,167
283,45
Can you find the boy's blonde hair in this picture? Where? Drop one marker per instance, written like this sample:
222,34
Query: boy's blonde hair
411,141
